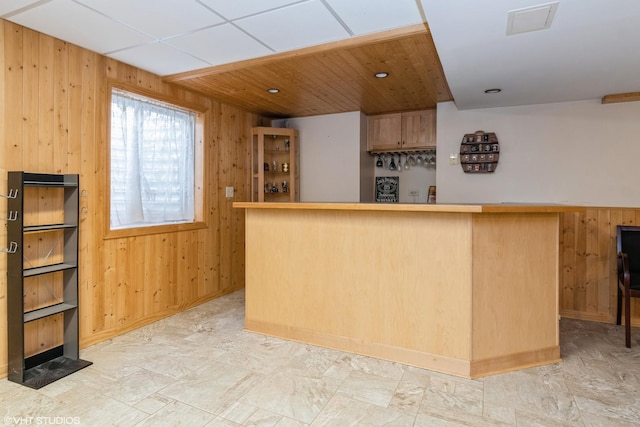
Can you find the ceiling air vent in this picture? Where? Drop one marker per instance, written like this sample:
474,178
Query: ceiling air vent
532,18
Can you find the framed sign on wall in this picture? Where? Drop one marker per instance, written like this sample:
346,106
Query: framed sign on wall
387,189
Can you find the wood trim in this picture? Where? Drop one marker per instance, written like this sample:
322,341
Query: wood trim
156,229
497,365
434,362
154,95
591,317
621,97
515,208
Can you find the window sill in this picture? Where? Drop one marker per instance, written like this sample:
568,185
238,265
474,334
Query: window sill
154,229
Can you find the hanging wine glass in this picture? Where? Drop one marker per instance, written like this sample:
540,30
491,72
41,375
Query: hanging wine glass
392,165
427,160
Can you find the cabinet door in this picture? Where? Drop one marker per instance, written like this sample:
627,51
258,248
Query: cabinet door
384,132
275,158
419,129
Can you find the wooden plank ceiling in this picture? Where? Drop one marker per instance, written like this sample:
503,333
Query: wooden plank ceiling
332,78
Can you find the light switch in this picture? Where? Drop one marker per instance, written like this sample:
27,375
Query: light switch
229,192
453,159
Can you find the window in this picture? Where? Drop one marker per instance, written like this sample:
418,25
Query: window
153,169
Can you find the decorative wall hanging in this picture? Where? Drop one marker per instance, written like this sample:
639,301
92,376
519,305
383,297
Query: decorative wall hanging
387,189
479,152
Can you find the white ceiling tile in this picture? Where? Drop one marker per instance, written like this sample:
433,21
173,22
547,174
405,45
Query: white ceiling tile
159,58
7,6
292,27
377,15
76,24
234,9
160,18
220,45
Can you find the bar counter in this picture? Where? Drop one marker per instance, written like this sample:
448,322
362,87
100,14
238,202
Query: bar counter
468,290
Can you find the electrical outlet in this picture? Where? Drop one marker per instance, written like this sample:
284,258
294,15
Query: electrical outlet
229,191
453,159
414,192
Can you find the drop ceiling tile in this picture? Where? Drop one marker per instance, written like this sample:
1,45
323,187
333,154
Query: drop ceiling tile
160,18
377,15
7,6
220,45
74,23
301,25
234,9
159,58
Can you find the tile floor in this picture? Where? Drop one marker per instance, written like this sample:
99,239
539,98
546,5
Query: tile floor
199,368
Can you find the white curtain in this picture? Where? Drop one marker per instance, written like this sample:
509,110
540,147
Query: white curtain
152,162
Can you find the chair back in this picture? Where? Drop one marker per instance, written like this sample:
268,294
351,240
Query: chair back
628,241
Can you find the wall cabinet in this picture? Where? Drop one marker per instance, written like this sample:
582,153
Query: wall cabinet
42,277
409,131
275,158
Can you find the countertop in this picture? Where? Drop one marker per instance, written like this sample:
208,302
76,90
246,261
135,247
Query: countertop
411,207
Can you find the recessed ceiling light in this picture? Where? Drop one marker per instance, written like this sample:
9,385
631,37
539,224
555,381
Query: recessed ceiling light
495,90
381,75
273,90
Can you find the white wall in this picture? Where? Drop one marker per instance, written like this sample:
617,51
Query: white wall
366,165
582,153
331,147
336,167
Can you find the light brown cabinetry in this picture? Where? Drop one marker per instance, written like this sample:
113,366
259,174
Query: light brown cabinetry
384,132
275,157
471,320
415,130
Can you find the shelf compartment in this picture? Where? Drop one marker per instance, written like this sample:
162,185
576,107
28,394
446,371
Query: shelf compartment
49,184
41,313
46,269
276,173
47,227
51,370
47,180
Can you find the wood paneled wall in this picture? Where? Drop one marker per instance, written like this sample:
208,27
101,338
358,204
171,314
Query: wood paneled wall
588,263
53,118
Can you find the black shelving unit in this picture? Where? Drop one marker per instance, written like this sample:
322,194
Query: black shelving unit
43,368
